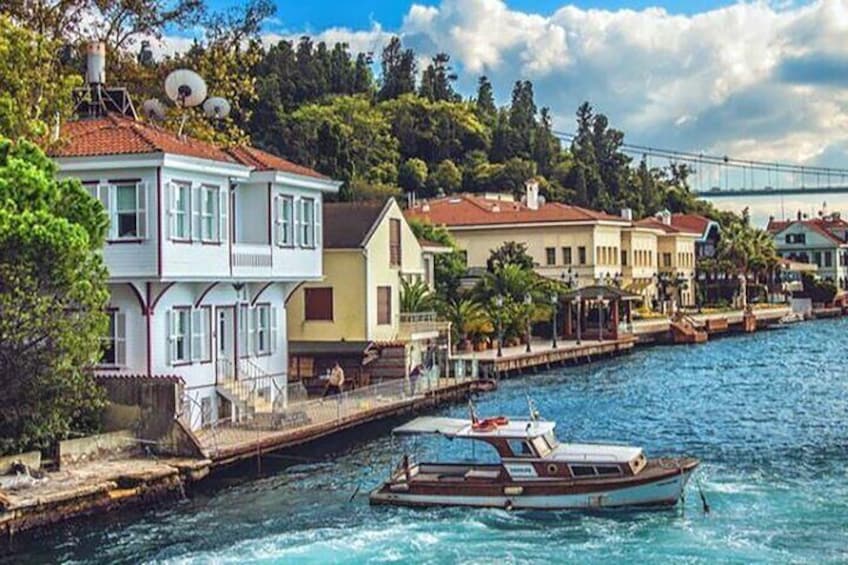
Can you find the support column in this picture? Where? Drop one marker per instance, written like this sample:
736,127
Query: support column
615,318
568,323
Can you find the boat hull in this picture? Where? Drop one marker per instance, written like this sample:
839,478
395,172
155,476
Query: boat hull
665,491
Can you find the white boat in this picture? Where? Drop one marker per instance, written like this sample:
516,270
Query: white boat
535,471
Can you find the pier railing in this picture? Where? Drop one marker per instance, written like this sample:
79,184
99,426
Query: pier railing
332,411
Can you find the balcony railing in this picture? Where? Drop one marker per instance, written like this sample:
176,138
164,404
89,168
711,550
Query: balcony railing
420,322
251,256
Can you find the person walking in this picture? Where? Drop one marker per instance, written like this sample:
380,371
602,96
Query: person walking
335,381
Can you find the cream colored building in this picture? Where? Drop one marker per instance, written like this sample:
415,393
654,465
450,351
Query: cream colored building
569,242
565,242
356,308
676,259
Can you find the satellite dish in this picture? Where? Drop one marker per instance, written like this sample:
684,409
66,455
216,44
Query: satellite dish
153,109
216,107
185,87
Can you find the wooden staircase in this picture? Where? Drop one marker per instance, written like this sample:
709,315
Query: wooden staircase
685,330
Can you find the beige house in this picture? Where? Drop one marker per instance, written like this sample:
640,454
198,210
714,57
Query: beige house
675,259
565,242
354,313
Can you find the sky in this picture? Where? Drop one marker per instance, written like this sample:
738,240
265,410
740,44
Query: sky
762,79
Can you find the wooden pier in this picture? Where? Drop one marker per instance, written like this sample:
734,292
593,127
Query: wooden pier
543,355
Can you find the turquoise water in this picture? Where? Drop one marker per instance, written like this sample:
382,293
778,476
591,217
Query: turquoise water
766,414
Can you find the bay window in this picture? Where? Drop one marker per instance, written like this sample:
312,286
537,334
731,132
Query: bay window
285,221
125,202
307,222
209,214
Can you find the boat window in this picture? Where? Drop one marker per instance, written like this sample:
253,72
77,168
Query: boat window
607,469
551,439
520,448
542,447
582,470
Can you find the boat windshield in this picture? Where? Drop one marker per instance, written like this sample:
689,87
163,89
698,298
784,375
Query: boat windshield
540,443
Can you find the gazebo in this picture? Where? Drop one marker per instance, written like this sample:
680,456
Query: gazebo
594,312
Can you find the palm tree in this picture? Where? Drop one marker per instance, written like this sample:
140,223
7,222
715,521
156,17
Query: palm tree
415,296
467,318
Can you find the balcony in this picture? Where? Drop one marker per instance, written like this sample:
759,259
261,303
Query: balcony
251,260
421,325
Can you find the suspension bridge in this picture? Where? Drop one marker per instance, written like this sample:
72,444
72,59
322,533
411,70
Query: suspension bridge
722,176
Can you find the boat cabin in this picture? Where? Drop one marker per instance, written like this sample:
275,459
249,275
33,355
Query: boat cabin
530,449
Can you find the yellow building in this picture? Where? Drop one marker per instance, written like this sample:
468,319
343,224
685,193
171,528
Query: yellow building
354,313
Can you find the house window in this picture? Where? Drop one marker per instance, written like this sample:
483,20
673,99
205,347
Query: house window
318,304
550,255
623,257
581,255
179,337
394,243
126,210
180,211
828,259
125,203
666,259
817,258
566,255
307,222
262,316
285,234
115,341
201,334
384,305
209,214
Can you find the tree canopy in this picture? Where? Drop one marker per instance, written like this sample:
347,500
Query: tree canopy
52,301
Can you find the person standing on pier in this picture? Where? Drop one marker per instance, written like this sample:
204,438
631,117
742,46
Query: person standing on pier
335,381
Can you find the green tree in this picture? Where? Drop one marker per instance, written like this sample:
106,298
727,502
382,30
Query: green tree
448,268
437,80
398,66
52,301
412,175
447,177
485,101
415,296
36,89
510,253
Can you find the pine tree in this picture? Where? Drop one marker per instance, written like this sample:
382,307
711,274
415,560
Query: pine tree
363,80
545,145
437,79
398,66
522,117
485,102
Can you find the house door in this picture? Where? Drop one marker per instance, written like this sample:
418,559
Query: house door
225,341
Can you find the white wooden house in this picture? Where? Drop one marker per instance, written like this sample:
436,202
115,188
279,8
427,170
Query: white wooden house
204,247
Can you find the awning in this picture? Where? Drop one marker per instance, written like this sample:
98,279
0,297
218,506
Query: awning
600,292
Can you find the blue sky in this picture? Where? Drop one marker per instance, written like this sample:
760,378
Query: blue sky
756,79
315,15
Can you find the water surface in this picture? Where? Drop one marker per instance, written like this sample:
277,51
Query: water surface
766,413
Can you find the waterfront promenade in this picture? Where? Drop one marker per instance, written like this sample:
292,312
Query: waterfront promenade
107,483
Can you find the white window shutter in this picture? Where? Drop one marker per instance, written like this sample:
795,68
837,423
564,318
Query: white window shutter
121,339
278,220
170,322
104,195
196,336
111,203
253,321
172,210
194,205
223,205
296,217
141,192
317,222
274,335
206,324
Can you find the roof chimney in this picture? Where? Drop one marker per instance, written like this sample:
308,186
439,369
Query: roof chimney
627,214
664,217
531,188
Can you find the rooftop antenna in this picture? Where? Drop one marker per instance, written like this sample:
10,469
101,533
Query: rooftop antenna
186,89
153,110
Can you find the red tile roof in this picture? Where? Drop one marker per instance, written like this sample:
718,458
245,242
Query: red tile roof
469,210
690,222
263,161
657,224
833,228
118,135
